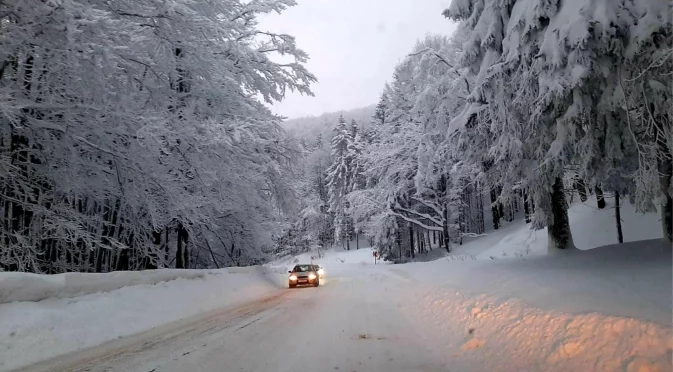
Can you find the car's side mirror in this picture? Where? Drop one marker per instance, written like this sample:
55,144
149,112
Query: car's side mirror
290,271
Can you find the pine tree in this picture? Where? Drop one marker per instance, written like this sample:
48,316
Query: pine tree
339,176
542,96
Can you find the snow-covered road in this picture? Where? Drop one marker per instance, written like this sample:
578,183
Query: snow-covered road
339,326
383,318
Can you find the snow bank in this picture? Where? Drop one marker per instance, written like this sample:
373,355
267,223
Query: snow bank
626,280
34,287
604,309
481,333
56,326
591,227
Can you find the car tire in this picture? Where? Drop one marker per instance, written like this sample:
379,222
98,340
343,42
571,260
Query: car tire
292,285
317,283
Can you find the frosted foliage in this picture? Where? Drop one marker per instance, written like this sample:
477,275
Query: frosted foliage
413,170
339,174
131,137
582,85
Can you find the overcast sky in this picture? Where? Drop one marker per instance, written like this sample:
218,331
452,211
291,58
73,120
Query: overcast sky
354,46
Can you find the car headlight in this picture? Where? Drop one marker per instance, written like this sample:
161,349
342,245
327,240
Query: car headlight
292,277
321,271
311,276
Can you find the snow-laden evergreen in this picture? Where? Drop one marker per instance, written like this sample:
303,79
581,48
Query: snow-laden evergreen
556,85
525,101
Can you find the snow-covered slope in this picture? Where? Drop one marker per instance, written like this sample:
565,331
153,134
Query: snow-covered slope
604,309
591,227
627,280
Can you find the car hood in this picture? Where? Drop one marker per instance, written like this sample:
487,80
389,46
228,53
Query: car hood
303,275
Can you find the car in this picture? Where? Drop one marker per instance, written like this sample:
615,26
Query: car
304,275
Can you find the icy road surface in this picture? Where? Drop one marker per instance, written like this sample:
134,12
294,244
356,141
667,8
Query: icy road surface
339,326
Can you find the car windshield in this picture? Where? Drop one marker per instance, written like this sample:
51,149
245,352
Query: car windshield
302,268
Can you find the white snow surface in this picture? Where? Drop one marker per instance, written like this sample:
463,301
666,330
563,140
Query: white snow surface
34,287
591,227
57,326
603,309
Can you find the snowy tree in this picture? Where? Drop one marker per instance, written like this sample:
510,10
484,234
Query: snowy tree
538,103
414,169
315,213
354,158
339,177
131,137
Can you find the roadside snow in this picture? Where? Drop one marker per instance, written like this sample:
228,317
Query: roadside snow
34,287
627,280
604,309
478,333
601,309
591,227
33,331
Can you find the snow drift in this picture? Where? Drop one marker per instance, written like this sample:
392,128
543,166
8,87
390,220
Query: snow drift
591,227
604,309
57,326
34,287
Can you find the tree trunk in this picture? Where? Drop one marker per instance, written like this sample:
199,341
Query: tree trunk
398,240
147,261
558,224
99,259
600,199
665,169
357,241
122,263
445,230
495,210
618,218
480,206
462,220
581,189
179,258
411,239
166,248
501,208
182,253
526,209
667,217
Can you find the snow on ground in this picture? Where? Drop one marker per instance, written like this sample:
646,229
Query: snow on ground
34,287
626,280
605,309
591,227
32,331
